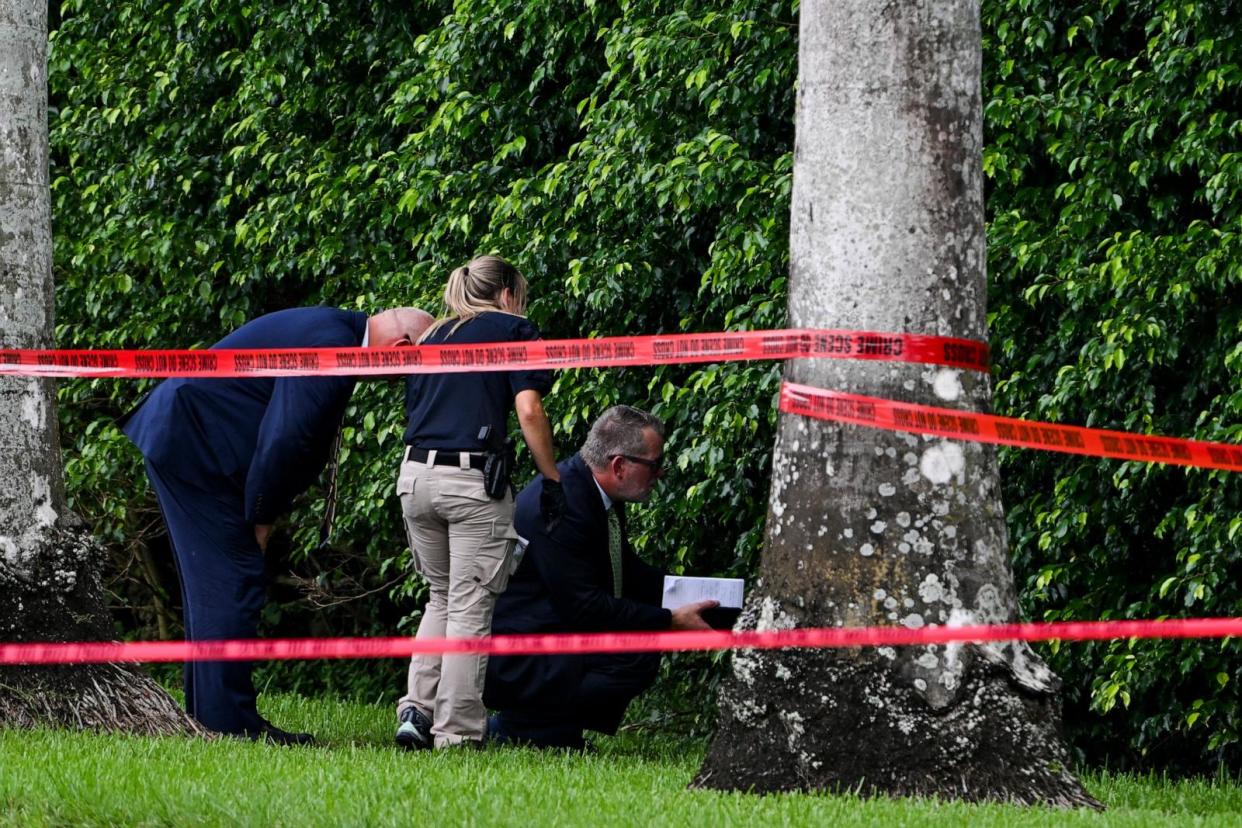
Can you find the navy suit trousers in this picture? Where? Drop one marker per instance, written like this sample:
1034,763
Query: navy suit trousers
223,589
609,683
606,686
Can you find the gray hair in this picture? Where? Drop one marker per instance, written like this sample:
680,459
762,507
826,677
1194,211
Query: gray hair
619,430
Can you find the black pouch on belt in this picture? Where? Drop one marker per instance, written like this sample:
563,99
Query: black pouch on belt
497,462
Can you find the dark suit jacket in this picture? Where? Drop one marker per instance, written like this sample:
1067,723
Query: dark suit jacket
564,584
268,438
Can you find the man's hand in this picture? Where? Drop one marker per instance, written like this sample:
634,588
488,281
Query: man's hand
551,503
690,616
262,531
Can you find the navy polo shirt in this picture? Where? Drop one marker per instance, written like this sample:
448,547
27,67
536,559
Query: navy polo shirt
446,411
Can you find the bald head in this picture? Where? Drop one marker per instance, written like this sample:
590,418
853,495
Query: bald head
397,326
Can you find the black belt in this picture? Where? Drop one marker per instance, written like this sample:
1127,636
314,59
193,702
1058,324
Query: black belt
444,457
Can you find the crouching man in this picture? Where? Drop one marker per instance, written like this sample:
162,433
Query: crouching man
580,574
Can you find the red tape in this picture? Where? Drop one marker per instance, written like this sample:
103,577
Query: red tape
875,412
643,350
503,356
628,642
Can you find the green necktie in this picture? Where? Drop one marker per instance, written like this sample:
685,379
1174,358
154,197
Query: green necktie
614,548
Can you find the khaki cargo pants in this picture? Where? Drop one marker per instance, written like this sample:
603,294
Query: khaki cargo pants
462,542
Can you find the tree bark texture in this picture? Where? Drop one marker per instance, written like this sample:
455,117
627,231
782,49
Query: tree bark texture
49,563
32,496
867,527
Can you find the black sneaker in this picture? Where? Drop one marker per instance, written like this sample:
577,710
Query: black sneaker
415,730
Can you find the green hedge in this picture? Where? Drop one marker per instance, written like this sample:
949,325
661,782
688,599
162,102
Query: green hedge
1116,265
215,160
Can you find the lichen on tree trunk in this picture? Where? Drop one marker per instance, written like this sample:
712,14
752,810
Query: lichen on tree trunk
57,596
847,721
867,527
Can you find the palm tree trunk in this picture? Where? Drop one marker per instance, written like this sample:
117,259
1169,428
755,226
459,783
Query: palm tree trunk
874,528
49,564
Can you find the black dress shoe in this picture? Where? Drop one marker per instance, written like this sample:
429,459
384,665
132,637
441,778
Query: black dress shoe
268,732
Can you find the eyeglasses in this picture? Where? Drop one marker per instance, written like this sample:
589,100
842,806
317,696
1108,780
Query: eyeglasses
655,465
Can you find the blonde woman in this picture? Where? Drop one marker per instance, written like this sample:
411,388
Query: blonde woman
461,537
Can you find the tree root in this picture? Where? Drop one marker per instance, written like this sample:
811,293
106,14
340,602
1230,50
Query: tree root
97,697
830,721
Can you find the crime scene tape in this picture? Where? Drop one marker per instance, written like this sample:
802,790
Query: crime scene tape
876,412
603,352
609,642
641,350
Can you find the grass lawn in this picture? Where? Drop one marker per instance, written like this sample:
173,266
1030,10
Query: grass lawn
357,777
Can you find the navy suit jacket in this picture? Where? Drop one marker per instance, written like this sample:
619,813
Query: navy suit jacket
564,584
266,437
